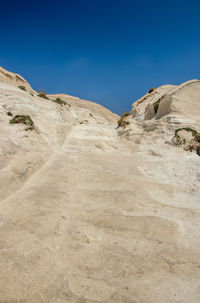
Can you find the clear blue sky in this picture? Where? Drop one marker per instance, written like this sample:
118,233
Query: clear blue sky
110,52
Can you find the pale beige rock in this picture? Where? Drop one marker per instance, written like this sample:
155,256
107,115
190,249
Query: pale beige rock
15,80
89,216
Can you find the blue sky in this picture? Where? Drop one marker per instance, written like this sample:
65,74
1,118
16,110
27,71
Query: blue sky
110,52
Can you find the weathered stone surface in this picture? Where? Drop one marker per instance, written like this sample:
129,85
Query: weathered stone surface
91,213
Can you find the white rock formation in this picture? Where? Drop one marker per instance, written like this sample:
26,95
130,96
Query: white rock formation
90,213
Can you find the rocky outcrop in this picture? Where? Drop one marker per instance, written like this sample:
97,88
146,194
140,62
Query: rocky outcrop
89,216
15,80
164,110
169,104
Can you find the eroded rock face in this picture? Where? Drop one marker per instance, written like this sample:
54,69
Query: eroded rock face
89,216
170,104
166,109
15,80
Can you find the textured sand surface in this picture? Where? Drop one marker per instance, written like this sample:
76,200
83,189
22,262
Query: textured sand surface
90,213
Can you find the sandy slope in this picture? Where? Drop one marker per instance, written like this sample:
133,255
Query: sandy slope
89,216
